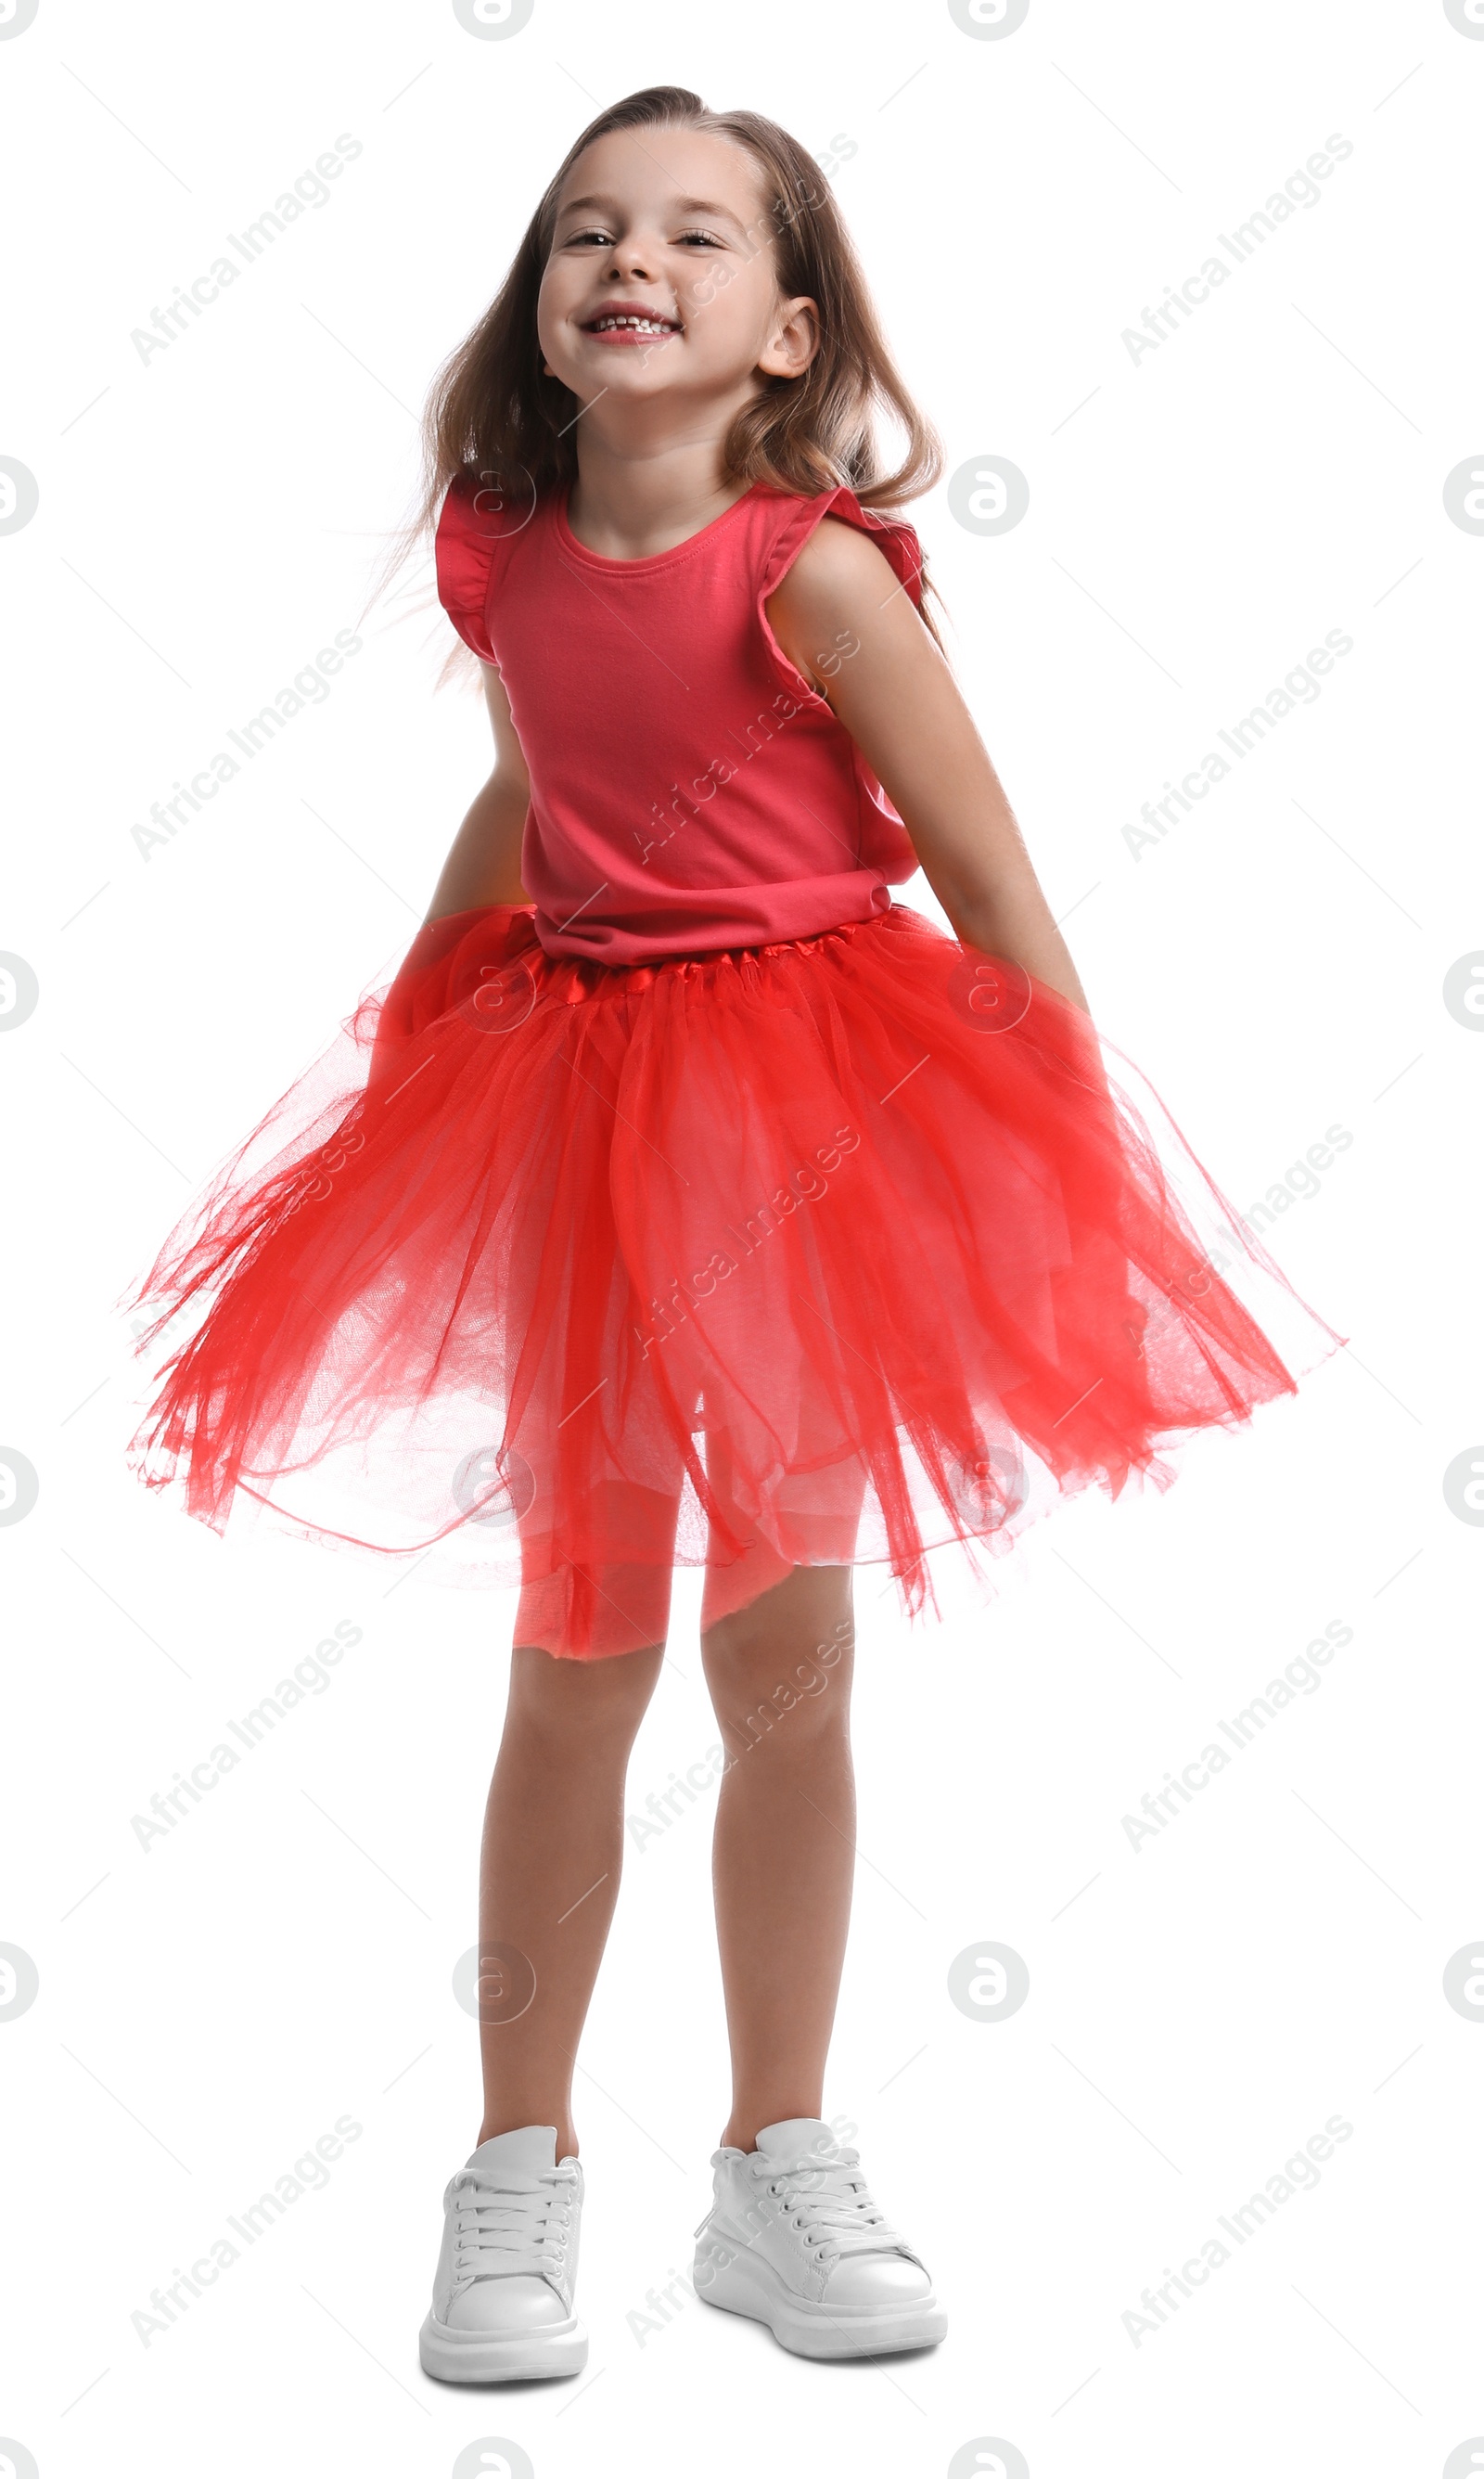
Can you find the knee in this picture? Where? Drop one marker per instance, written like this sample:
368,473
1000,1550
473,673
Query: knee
781,1695
561,1703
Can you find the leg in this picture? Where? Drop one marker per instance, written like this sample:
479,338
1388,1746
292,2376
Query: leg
783,1859
553,1850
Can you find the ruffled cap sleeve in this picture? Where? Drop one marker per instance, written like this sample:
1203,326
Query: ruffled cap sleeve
463,549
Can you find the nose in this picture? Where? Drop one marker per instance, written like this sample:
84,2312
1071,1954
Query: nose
630,258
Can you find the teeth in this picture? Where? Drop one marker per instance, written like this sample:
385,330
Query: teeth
643,326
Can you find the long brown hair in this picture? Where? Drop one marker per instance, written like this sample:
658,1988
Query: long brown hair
492,407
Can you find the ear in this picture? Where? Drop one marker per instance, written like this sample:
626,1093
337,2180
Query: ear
794,341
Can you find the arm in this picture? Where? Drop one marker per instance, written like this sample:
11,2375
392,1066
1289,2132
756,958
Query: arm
900,704
484,863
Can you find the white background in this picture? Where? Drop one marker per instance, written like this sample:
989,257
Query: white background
1198,2006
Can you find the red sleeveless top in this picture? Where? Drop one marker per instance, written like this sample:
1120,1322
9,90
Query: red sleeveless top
690,790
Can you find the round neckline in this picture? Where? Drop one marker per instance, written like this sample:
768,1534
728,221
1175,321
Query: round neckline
655,559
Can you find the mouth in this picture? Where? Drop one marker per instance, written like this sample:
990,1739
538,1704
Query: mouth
627,321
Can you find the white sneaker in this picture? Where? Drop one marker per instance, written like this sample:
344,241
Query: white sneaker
502,2295
795,2241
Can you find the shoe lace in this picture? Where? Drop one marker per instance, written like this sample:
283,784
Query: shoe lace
508,2223
829,2203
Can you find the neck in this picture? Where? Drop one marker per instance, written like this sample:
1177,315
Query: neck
631,501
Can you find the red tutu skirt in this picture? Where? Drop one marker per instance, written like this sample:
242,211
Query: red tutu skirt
558,1275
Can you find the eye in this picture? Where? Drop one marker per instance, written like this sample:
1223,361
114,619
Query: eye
711,241
593,232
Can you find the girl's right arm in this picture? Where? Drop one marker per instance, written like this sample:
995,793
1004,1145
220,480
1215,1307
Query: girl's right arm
484,863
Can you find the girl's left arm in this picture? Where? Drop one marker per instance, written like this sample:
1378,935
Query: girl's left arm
841,615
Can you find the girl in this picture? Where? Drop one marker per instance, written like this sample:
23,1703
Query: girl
685,1198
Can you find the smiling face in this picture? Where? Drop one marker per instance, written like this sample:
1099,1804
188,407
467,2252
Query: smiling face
660,290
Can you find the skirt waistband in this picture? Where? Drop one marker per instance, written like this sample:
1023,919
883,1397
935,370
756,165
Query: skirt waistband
574,977
686,967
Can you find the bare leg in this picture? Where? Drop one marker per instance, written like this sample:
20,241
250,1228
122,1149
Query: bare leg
549,1869
784,1854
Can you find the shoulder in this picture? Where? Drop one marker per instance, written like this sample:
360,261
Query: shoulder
837,556
846,568
833,552
476,524
463,554
849,578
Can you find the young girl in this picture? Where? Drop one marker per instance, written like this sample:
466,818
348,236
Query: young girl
686,1199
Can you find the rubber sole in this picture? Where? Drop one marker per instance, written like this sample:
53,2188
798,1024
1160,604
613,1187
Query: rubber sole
492,2359
741,2283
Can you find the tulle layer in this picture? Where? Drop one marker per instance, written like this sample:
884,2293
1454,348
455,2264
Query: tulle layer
558,1275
